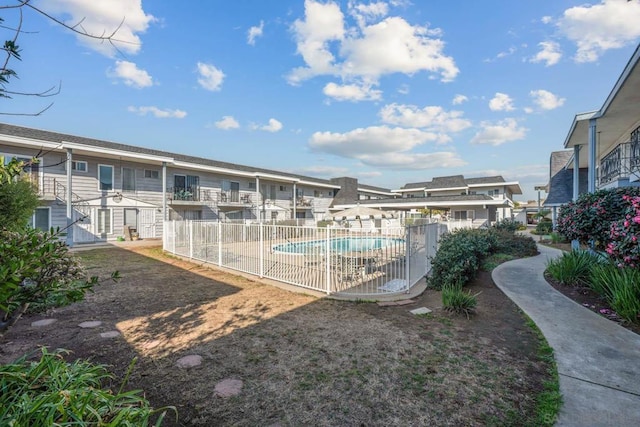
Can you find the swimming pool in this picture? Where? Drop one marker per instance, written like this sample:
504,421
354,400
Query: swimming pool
339,245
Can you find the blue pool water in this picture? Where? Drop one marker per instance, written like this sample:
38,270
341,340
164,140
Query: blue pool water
339,245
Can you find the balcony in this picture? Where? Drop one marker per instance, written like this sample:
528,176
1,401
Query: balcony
302,203
621,163
233,198
193,195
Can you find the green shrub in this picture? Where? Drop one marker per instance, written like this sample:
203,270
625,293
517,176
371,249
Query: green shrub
516,245
573,268
620,287
37,272
544,227
456,300
459,256
52,392
557,238
507,224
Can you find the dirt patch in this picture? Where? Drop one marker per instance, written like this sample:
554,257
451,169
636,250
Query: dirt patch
301,360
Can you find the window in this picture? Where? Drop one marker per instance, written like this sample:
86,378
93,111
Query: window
79,166
317,193
252,186
128,179
41,219
153,174
104,221
105,177
283,188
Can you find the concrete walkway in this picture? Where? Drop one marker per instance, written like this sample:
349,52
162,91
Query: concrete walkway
598,360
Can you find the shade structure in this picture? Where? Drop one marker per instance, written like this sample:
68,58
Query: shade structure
360,212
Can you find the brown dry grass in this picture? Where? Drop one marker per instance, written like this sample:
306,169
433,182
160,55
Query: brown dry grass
303,360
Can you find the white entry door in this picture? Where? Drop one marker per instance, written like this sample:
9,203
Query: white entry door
147,223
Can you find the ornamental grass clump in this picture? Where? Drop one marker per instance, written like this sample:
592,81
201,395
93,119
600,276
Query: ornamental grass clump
573,268
52,392
620,287
456,300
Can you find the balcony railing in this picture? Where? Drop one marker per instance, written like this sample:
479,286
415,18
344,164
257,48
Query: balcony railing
233,197
620,163
611,165
303,202
184,194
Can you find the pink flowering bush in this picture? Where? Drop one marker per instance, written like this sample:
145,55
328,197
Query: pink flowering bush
623,247
590,219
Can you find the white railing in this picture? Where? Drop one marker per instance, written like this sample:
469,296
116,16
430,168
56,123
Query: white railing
340,261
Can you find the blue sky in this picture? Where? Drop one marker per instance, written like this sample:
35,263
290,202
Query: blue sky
389,92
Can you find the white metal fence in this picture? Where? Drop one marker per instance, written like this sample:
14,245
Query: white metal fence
354,263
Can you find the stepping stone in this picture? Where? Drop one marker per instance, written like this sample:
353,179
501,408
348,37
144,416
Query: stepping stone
43,322
90,324
189,361
228,388
110,334
421,310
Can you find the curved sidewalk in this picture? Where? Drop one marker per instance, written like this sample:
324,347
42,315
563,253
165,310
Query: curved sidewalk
598,360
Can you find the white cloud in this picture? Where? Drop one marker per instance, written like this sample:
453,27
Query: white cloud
227,122
368,12
501,102
459,99
367,51
255,32
550,53
210,77
155,111
394,46
103,17
131,74
323,23
597,28
499,133
403,89
322,171
371,140
546,100
433,118
414,161
546,19
273,126
351,92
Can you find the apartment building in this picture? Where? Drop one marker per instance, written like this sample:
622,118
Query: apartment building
104,187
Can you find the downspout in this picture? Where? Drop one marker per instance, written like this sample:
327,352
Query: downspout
69,196
592,155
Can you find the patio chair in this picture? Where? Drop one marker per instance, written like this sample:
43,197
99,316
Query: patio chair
348,268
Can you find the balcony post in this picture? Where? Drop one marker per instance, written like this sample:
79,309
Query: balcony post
69,197
576,172
592,156
295,202
164,191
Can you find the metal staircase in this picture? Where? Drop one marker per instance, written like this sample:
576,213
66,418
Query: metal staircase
60,192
